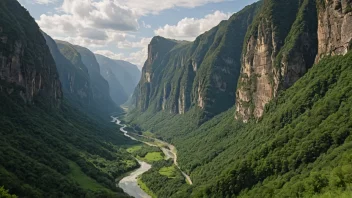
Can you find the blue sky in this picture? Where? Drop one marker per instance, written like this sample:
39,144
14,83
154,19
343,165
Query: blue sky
122,29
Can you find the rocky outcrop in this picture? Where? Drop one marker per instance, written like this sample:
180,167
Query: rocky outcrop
278,51
335,27
26,66
203,74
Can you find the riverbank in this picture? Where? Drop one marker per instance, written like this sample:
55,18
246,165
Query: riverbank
168,149
129,184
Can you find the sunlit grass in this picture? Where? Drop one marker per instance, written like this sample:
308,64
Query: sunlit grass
153,157
170,171
134,148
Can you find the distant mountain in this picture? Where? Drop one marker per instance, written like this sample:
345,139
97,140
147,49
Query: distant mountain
82,78
132,69
126,74
100,86
74,78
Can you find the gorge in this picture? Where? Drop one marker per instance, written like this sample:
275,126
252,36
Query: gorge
258,105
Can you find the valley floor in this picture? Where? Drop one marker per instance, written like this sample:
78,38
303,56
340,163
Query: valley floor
133,183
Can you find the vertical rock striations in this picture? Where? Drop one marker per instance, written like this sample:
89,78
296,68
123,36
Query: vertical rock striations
74,74
279,48
100,87
335,27
26,65
203,74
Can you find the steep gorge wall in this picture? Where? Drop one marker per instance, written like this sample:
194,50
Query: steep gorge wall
203,74
335,27
26,65
100,87
280,48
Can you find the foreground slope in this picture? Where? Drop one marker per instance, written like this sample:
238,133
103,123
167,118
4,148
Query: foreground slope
47,147
301,146
25,59
297,140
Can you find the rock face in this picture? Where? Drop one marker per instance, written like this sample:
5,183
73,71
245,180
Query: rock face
202,74
75,84
121,75
74,74
26,65
100,87
335,27
277,52
117,92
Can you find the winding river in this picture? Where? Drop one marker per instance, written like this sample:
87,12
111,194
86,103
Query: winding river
129,184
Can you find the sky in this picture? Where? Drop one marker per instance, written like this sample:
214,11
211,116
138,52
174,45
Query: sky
122,29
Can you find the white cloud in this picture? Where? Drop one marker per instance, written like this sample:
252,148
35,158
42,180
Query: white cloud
139,44
138,58
110,54
45,2
190,28
90,20
146,25
144,7
101,24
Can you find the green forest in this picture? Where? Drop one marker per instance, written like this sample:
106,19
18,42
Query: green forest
300,148
53,152
257,106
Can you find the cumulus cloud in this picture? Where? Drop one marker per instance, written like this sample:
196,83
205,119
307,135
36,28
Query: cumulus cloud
89,19
190,28
138,58
128,44
143,7
101,24
45,2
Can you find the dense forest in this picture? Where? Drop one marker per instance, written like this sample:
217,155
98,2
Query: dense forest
287,133
48,146
259,105
301,147
48,152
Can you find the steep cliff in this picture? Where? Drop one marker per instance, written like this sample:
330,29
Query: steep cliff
26,66
100,87
74,73
335,27
202,74
279,48
117,92
74,82
125,73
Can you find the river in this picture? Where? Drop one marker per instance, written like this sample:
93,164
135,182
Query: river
129,184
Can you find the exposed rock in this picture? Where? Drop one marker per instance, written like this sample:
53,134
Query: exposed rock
277,53
203,74
26,65
334,27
